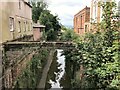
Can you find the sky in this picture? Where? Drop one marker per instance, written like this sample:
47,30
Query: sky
66,9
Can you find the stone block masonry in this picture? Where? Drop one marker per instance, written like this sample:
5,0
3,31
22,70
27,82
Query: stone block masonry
14,63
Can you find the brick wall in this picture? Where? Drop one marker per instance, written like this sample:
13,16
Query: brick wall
80,19
17,63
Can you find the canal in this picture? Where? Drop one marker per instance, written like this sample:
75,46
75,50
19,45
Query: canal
57,75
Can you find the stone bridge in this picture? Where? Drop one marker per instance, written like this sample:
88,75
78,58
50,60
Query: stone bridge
58,45
18,54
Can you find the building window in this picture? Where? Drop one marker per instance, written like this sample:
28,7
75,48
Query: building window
11,23
24,26
101,14
94,16
81,22
78,30
19,4
95,11
86,28
31,27
76,20
19,26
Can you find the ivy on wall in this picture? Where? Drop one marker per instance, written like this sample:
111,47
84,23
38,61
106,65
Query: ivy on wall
32,74
99,54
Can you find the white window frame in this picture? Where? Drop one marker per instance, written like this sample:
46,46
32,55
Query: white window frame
93,16
24,26
11,24
19,26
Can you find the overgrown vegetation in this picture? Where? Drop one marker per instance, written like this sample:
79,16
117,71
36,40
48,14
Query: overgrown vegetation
32,74
96,60
69,35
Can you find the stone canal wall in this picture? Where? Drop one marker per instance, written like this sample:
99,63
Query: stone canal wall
45,70
31,76
14,62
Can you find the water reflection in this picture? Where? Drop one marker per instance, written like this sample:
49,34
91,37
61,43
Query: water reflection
57,76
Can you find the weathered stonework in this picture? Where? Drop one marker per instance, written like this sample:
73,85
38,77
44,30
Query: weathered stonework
17,61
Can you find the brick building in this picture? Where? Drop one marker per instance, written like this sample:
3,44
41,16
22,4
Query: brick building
96,12
81,21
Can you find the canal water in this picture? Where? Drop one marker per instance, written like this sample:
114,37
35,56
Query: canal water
57,75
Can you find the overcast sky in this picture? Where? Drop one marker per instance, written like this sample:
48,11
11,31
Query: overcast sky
66,9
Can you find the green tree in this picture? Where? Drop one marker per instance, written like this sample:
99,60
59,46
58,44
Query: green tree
99,54
45,19
40,12
38,6
52,24
69,35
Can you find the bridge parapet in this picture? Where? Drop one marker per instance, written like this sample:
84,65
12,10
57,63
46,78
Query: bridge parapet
58,45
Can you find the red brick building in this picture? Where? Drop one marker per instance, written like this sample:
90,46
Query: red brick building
81,21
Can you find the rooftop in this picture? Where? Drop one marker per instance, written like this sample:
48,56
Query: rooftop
36,25
28,3
82,10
